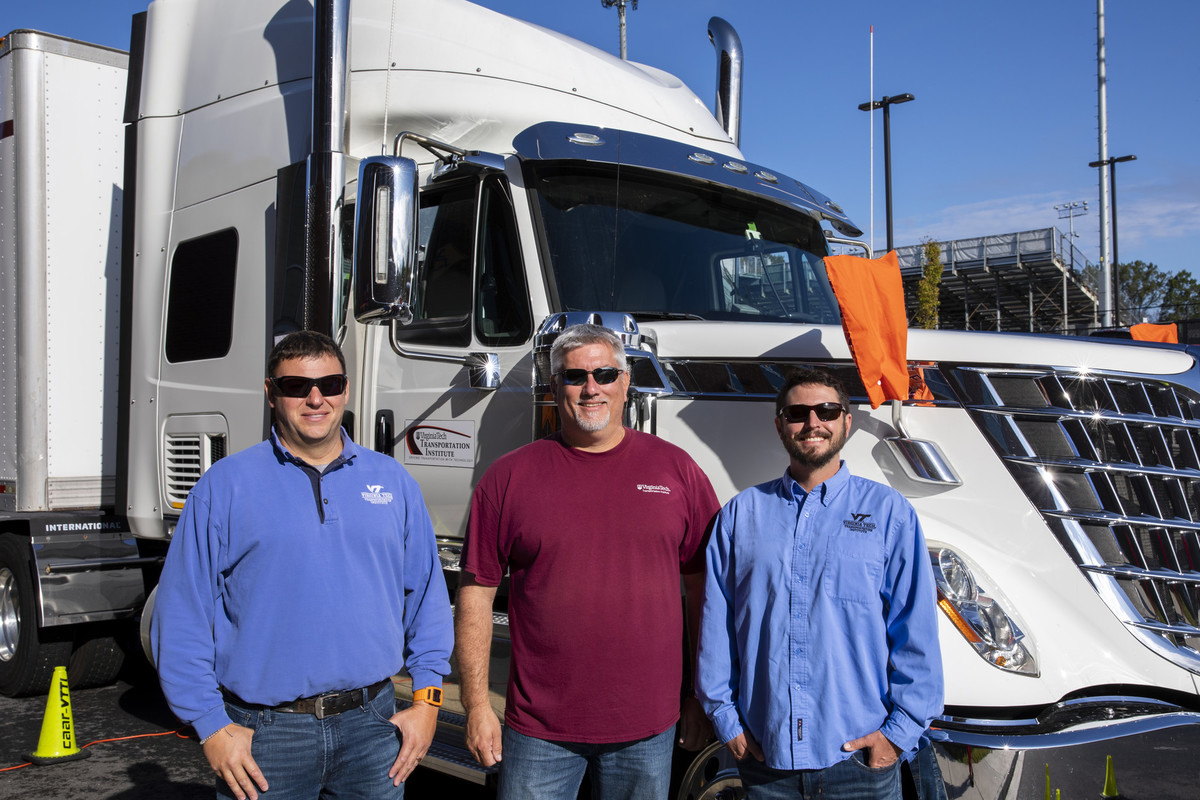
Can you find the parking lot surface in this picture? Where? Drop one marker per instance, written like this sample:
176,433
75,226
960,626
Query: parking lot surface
136,748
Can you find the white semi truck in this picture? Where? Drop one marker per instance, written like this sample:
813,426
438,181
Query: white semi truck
443,189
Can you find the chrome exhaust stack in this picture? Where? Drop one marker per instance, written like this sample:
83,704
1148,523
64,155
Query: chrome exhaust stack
729,76
325,173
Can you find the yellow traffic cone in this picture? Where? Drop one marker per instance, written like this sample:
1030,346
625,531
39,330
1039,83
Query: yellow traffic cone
1109,792
57,742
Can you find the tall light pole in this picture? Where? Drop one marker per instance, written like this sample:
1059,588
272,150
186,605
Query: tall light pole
1106,280
1070,211
1111,163
885,103
620,4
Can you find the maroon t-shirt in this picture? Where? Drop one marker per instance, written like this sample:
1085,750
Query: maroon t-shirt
594,543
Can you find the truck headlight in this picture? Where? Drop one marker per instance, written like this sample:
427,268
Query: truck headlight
981,619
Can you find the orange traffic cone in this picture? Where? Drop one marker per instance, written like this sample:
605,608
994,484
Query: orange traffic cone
57,742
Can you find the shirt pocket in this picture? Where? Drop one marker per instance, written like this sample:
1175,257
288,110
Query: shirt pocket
855,567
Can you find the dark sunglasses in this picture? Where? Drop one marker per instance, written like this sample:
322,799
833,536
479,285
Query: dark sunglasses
578,377
798,412
296,386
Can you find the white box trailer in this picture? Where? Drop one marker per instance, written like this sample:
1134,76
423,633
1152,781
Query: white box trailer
61,175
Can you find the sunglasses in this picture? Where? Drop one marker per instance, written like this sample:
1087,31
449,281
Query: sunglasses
296,386
578,377
798,412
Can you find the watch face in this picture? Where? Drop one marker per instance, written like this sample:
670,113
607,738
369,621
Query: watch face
430,694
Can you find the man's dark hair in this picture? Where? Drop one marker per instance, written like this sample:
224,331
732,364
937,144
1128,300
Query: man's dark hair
809,377
303,344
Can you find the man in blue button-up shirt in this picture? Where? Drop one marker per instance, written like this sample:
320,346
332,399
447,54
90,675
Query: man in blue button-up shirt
819,662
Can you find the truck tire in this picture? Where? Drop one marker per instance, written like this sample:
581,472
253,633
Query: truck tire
95,661
712,775
28,655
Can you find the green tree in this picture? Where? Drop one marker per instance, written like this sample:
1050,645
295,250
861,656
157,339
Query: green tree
929,287
1180,299
1153,294
1140,287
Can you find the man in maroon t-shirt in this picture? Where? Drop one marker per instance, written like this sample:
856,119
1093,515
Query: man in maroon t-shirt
594,526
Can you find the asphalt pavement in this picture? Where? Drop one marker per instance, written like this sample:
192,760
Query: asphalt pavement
137,750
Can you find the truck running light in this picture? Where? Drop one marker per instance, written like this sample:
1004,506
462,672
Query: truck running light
980,619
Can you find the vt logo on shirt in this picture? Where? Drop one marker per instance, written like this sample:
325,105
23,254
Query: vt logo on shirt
859,522
375,494
651,488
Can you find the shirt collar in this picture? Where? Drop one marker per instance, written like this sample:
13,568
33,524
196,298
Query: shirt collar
349,452
824,492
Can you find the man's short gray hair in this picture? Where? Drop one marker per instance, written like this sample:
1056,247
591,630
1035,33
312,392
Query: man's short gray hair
578,336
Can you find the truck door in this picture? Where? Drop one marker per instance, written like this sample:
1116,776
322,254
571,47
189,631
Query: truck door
214,337
470,302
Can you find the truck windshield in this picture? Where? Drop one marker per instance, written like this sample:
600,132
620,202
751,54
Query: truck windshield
659,247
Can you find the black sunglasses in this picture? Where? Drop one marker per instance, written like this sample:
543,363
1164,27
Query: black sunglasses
798,412
297,386
578,377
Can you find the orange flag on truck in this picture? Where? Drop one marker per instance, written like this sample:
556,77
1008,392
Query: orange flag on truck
1149,332
870,295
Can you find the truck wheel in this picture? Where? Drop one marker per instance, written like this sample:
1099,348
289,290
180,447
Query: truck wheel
95,661
713,775
28,655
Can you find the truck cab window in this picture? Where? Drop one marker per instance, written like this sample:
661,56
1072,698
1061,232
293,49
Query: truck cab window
200,297
502,314
442,295
469,268
659,247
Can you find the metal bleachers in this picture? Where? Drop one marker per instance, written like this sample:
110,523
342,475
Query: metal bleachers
1035,281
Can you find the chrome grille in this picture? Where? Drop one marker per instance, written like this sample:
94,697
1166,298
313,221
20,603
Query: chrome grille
751,379
1111,461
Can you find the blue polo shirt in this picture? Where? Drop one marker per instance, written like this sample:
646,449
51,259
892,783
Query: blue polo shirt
284,582
820,621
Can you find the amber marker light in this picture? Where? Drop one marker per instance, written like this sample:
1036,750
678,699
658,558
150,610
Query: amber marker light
957,621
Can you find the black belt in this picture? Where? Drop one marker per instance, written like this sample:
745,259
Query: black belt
323,705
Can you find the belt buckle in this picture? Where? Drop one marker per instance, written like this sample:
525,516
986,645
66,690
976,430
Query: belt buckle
338,702
319,707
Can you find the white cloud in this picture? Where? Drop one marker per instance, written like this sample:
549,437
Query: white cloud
1157,222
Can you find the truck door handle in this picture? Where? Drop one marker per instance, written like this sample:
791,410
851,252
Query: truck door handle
385,427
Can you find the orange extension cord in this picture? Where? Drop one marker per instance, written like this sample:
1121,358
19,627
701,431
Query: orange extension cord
178,733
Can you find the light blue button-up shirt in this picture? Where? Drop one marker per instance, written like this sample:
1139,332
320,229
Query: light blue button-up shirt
820,621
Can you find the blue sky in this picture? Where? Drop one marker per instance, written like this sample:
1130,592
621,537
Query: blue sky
1002,128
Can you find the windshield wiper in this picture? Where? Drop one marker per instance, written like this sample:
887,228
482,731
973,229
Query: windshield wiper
641,315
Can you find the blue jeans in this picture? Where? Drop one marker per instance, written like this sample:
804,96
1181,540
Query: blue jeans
343,756
926,774
847,780
537,769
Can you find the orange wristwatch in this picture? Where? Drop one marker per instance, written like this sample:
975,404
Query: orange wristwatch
430,694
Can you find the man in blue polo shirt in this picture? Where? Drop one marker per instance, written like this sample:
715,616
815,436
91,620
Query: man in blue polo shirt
819,662
302,576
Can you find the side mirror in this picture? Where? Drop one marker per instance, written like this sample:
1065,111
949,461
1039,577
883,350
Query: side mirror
385,239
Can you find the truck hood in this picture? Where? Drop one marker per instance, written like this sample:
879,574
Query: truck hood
741,341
